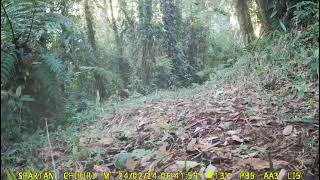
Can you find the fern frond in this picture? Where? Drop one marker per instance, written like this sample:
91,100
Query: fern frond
54,64
28,17
57,67
7,65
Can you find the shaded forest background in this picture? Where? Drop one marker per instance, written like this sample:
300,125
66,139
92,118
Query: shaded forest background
62,57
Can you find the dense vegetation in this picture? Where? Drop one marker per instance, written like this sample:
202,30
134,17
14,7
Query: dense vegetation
65,64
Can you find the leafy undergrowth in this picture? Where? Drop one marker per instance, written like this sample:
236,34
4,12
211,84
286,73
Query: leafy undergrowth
259,116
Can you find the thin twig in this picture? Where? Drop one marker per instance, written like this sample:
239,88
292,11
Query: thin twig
270,161
50,147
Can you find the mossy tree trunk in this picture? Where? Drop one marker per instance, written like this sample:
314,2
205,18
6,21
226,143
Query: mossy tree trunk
123,64
171,24
245,20
145,16
90,30
100,85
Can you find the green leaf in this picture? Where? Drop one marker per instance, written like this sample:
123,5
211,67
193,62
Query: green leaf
314,66
316,53
54,64
210,170
121,160
283,26
26,98
187,164
273,14
7,65
18,91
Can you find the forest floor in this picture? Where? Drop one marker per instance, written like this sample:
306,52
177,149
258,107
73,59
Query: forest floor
233,128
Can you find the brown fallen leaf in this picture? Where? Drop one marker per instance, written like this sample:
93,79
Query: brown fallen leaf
101,168
225,125
227,141
131,164
282,174
287,130
212,138
191,145
172,168
162,151
277,164
203,145
120,135
105,141
83,141
236,138
233,115
259,164
233,132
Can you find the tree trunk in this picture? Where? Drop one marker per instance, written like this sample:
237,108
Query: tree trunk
264,14
245,20
145,16
100,84
170,20
124,67
90,30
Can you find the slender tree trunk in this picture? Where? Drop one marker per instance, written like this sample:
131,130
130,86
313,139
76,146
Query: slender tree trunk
145,16
192,46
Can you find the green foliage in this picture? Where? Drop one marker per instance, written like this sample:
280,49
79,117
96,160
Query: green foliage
7,65
48,81
163,64
54,64
203,75
10,175
162,71
306,12
28,18
110,78
11,113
